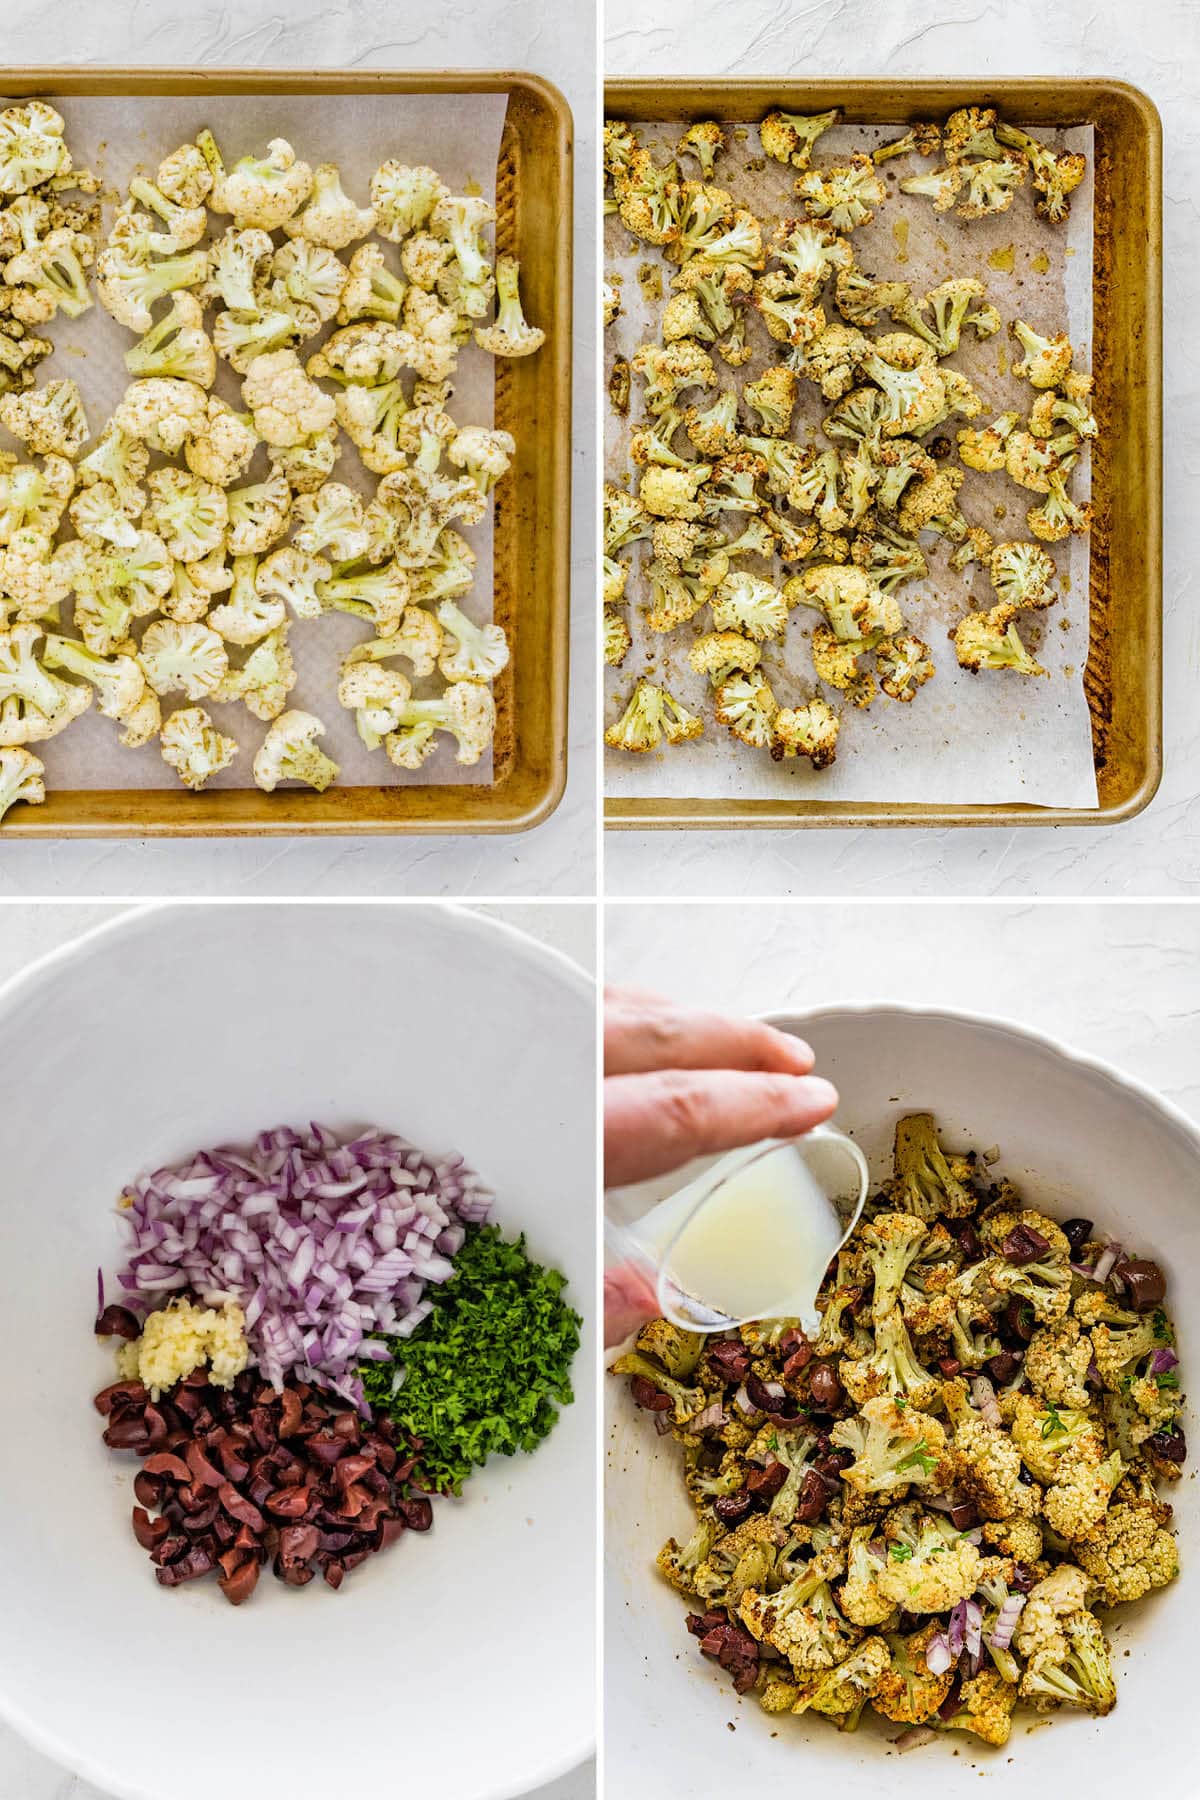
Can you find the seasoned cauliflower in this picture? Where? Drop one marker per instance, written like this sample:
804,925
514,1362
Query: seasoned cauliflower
287,407
290,752
194,748
177,657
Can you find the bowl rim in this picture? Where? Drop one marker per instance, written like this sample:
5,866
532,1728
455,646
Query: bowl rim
129,921
1002,1026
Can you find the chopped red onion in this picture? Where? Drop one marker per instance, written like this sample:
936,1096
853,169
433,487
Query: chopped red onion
914,1737
776,1390
743,1401
938,1657
711,1419
321,1242
1006,1622
1162,1361
1106,1260
972,1626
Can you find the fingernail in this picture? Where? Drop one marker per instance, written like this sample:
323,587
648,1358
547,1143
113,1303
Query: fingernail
818,1091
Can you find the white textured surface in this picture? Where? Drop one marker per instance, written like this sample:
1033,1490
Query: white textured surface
1116,981
27,932
557,42
1156,48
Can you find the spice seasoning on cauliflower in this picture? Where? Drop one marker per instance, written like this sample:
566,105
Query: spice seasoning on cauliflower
180,579
876,487
969,1443
182,1336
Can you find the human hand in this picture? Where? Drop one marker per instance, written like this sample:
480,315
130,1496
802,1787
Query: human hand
680,1084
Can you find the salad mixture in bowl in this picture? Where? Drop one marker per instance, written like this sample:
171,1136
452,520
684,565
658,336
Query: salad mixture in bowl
316,1337
931,1506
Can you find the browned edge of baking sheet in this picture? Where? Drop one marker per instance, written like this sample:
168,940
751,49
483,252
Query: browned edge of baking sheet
1123,678
532,508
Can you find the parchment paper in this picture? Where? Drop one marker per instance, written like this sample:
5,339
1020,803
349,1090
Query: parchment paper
964,737
459,135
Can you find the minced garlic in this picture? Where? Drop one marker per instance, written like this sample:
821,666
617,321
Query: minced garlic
179,1338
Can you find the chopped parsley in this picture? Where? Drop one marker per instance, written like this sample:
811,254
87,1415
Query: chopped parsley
486,1372
1168,1379
919,1457
1052,1424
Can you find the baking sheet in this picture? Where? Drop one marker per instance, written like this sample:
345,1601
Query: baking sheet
964,738
459,135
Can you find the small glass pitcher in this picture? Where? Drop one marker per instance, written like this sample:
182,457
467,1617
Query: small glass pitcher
830,1197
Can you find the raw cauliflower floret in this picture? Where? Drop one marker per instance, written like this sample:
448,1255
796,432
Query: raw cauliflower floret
194,748
49,420
221,446
403,198
162,411
287,407
260,191
265,679
331,219
290,752
177,657
184,176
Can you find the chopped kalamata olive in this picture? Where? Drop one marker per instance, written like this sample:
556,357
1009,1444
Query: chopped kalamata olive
797,1362
765,1483
780,1410
736,1651
647,1396
128,1432
700,1624
824,1386
949,1366
120,1394
148,1531
792,1340
118,1321
1017,1320
813,1499
1023,1245
417,1514
1004,1366
1077,1232
728,1360
1023,1577
964,1515
333,1493
1171,1445
1144,1282
241,1584
731,1509
966,1237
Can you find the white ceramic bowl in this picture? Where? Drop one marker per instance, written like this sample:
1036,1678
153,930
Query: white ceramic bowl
460,1663
1079,1138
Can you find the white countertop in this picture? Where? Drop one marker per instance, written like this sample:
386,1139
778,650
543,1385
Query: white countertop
1118,982
30,932
1158,49
555,41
